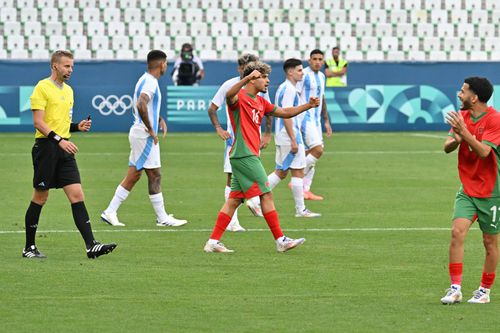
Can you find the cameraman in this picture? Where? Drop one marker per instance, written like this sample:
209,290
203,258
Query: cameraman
188,69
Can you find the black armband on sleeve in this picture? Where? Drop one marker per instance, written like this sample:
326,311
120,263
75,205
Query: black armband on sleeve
52,135
73,127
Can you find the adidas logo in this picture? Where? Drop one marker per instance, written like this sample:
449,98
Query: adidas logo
41,184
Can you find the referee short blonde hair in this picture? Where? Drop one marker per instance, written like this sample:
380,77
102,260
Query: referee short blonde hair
57,55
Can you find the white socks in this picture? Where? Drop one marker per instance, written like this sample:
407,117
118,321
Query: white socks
309,171
273,180
158,206
234,219
298,193
120,195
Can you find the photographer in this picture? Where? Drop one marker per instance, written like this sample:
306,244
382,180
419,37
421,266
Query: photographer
188,69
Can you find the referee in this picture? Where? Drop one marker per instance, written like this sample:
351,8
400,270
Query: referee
53,157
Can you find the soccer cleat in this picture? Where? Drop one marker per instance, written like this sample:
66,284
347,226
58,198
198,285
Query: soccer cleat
111,219
171,221
308,195
453,295
288,244
254,207
97,249
307,213
235,226
32,252
218,247
480,296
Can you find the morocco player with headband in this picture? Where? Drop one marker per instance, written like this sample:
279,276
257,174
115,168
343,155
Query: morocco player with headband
144,146
314,85
249,177
475,131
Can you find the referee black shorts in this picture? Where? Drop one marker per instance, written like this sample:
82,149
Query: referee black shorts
53,167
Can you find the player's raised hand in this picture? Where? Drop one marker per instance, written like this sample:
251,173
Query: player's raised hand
314,102
254,75
68,146
456,120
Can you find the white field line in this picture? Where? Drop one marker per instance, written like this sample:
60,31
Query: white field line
10,232
432,136
268,152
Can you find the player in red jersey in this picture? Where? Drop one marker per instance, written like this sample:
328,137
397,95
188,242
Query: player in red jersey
249,179
475,131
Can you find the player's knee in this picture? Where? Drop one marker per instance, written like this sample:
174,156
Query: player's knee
317,151
135,177
490,242
76,197
458,234
281,173
40,197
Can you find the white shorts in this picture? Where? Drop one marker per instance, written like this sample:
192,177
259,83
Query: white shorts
286,160
227,164
144,154
312,135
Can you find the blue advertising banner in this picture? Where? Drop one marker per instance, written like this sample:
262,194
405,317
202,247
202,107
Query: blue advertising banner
379,96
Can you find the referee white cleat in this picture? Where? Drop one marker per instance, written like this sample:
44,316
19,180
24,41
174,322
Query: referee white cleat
453,295
171,221
217,247
288,243
307,213
481,296
111,219
254,205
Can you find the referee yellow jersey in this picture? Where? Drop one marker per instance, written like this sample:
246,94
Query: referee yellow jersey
57,103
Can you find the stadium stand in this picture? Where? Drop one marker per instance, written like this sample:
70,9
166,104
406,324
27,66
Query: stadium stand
439,30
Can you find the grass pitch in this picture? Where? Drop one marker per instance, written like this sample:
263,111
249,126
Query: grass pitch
376,261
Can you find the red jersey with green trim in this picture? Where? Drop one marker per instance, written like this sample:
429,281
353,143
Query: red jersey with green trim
480,177
246,117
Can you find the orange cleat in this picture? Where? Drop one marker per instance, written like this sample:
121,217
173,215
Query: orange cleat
308,195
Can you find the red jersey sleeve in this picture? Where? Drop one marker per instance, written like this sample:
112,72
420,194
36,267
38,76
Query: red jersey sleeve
268,107
492,131
233,107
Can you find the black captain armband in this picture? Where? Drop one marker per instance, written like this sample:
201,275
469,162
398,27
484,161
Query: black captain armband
73,127
52,135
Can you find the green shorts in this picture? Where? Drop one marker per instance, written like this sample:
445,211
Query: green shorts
249,178
485,210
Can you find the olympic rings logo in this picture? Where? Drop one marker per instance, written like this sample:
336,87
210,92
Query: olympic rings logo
112,104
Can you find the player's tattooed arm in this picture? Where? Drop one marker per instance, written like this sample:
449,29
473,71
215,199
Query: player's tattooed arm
142,108
212,114
326,118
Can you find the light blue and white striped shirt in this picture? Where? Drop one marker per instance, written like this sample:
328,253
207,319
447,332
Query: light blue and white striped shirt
148,84
313,85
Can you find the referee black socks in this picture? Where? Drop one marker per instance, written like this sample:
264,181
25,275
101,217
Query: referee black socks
31,222
82,221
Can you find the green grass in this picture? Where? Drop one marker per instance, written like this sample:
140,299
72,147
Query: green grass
357,272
